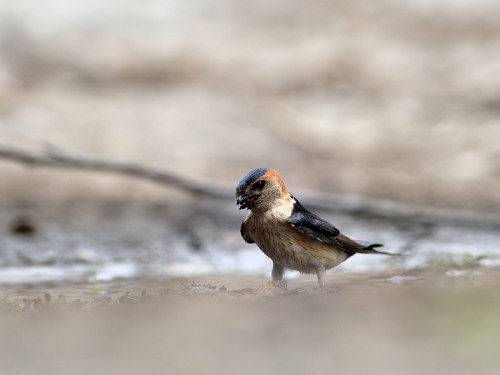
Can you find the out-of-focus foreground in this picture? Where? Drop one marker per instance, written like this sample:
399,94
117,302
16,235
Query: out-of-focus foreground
387,99
361,324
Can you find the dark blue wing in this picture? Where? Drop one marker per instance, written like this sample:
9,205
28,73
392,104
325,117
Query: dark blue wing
312,225
315,227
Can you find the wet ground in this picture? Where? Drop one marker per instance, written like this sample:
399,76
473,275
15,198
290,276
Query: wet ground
85,241
382,323
387,100
128,303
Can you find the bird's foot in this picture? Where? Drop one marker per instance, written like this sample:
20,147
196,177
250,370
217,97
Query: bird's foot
273,287
280,284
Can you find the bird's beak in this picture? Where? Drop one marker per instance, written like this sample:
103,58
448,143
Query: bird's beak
242,201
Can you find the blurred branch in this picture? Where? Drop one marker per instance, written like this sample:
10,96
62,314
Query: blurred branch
352,205
56,159
397,211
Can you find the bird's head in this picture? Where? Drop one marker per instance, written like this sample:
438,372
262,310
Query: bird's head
260,189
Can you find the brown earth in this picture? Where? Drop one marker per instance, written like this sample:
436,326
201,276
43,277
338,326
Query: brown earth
382,324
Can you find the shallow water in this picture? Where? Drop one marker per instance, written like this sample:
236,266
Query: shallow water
139,242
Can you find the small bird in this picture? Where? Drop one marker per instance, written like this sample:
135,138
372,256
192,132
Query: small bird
289,234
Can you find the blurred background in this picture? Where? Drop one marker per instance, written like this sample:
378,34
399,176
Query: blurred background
398,100
384,100
393,99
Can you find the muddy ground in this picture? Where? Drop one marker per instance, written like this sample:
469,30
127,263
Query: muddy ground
384,324
389,100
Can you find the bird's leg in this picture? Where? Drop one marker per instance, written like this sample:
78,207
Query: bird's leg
320,271
277,275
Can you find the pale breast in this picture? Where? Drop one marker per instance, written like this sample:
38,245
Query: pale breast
288,247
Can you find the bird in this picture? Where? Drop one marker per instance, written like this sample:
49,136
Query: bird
289,234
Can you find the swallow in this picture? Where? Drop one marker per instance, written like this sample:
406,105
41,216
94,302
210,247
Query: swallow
290,235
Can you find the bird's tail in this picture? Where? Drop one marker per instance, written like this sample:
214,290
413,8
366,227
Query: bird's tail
370,248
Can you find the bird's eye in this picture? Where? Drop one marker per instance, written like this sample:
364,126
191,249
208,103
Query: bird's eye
259,185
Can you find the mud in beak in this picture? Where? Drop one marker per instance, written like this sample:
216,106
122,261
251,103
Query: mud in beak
243,201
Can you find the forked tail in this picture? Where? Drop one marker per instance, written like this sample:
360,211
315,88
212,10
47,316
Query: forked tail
370,248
